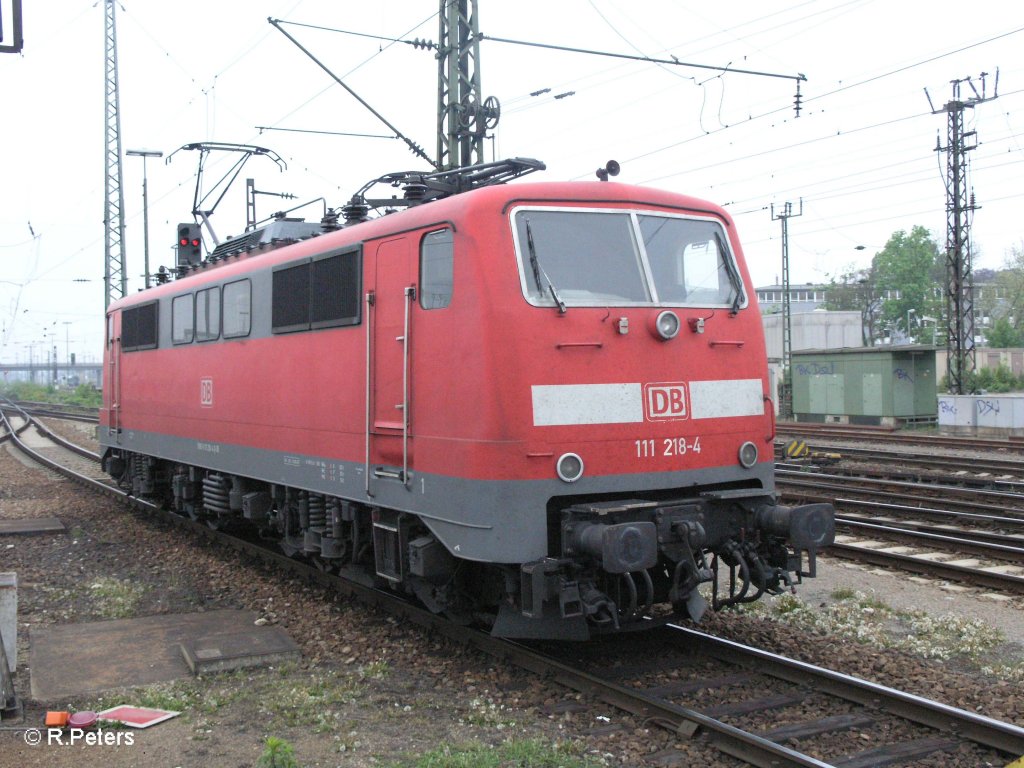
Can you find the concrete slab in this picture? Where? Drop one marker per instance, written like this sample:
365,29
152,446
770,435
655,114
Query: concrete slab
9,619
935,557
31,525
74,659
1008,570
220,653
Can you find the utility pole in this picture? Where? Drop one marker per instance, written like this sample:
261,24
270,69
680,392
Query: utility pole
463,117
144,153
786,398
960,360
114,277
14,42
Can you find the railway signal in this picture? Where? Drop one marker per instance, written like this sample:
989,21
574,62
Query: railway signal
190,244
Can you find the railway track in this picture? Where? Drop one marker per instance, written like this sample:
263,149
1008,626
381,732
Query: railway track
926,727
888,435
60,411
975,471
945,533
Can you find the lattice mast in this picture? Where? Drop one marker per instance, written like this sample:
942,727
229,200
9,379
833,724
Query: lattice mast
786,395
463,116
114,277
960,206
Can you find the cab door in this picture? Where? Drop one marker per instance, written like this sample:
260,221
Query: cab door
390,304
112,375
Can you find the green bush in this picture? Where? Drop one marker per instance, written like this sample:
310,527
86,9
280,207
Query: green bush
278,753
994,380
84,394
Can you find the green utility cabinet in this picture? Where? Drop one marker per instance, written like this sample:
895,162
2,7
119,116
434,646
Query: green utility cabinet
865,385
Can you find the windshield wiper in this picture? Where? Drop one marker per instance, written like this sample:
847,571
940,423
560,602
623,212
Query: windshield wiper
734,275
538,270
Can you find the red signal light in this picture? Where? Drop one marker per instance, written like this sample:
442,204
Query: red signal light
195,242
183,241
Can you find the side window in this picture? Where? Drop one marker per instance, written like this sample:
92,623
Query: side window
437,267
237,313
323,292
208,314
110,330
139,327
182,319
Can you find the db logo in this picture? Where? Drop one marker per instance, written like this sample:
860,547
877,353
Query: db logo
206,393
665,401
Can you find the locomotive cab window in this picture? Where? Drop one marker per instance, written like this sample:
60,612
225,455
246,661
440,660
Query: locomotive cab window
139,327
591,258
689,261
182,319
437,269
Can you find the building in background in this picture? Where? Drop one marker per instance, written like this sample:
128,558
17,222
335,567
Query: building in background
889,385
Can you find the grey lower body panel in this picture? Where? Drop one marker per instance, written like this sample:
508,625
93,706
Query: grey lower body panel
495,521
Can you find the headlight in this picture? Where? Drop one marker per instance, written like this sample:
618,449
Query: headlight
667,325
748,454
569,467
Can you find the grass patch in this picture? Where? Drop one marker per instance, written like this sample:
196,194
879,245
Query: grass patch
843,593
114,598
527,753
485,713
377,670
312,703
204,696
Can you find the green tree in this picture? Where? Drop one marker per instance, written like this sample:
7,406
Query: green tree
1009,283
856,291
905,272
1004,334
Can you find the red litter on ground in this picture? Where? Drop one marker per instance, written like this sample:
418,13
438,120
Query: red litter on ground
84,719
136,717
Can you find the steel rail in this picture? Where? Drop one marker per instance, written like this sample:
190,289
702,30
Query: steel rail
788,481
56,410
929,477
944,488
996,734
945,514
885,435
754,749
1012,540
994,549
978,577
928,460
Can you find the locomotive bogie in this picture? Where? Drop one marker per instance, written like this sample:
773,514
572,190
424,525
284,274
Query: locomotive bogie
545,407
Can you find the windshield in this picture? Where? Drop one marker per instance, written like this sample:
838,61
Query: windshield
601,258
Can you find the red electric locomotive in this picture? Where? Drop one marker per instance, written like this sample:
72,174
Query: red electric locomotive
541,406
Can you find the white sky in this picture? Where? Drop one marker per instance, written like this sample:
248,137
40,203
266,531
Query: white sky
861,155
